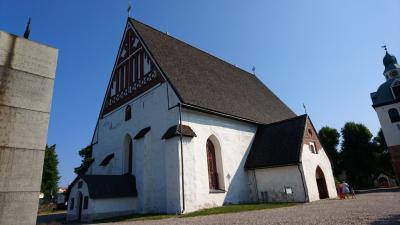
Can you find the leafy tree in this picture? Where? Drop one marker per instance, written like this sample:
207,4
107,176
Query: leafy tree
86,154
330,139
358,154
50,176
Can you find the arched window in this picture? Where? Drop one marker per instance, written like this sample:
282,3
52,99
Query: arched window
128,113
394,115
396,89
214,164
128,155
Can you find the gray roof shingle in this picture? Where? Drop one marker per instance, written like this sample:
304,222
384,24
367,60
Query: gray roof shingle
277,144
108,186
206,81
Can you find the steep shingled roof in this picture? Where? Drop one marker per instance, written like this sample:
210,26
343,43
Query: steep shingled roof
205,81
108,186
277,144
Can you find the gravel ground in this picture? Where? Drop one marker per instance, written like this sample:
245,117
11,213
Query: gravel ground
369,208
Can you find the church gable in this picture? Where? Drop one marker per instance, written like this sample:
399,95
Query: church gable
311,136
134,72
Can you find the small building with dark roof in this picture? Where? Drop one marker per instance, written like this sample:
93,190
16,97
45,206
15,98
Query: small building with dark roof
182,130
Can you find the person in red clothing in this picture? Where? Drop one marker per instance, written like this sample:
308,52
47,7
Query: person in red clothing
339,188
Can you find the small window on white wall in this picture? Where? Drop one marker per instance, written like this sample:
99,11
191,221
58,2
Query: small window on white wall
312,147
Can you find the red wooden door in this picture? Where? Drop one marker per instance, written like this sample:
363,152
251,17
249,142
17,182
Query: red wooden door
212,166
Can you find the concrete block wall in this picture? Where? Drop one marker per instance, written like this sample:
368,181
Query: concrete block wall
27,71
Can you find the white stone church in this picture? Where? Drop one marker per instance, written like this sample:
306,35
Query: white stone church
182,130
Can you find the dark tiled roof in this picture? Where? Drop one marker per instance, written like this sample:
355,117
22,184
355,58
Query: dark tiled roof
142,132
174,131
107,159
111,186
203,80
277,144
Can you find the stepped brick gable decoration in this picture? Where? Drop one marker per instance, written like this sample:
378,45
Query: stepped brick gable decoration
134,73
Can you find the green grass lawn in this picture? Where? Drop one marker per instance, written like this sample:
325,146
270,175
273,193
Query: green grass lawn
203,212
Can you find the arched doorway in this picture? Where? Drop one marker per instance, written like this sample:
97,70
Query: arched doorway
321,183
212,166
383,182
80,203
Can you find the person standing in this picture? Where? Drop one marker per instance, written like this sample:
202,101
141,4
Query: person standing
339,187
353,194
346,189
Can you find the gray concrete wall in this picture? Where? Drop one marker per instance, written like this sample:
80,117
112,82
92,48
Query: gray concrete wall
27,71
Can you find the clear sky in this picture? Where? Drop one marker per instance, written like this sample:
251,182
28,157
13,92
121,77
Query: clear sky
326,54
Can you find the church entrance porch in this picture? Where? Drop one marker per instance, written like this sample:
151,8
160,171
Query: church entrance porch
321,183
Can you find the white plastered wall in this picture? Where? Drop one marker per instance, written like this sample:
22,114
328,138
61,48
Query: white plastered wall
110,207
98,208
390,130
273,182
155,109
74,194
232,139
309,164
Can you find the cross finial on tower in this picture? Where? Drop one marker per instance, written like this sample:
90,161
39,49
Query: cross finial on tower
27,29
129,8
384,47
305,108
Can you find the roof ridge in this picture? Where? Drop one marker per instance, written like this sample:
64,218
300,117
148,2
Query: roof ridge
285,120
170,36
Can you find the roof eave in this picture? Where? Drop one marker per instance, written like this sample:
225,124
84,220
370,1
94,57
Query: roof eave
272,166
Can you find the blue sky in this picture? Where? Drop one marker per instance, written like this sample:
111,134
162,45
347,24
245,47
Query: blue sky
325,54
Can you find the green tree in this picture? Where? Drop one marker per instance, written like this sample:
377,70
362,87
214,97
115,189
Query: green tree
357,153
86,154
50,176
330,139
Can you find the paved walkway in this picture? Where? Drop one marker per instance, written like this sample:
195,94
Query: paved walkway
369,208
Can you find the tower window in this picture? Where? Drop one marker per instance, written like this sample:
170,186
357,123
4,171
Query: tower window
394,115
396,89
128,113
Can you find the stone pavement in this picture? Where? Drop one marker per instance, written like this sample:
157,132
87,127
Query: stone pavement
376,207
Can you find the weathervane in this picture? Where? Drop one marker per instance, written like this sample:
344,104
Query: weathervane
305,108
129,8
384,47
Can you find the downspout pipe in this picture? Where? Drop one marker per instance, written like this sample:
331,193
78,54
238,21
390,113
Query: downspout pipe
182,173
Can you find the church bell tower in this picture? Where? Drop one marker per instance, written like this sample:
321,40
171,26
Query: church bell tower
386,102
